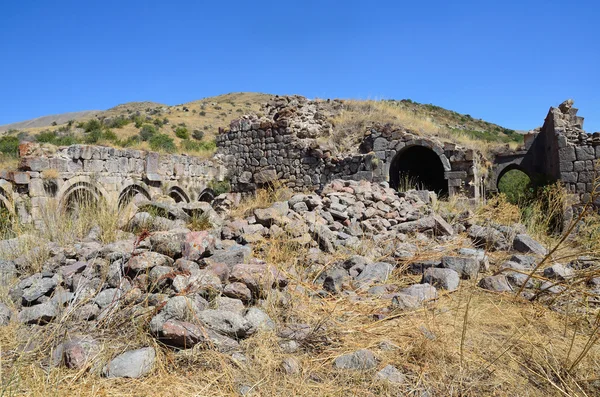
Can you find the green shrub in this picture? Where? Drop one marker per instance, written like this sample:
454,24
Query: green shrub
195,146
162,142
219,187
516,185
91,125
147,132
118,122
182,132
9,145
198,135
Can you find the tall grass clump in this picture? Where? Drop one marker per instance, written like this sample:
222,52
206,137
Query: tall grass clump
262,198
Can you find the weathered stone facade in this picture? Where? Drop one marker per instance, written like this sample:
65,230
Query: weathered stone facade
285,146
558,151
115,175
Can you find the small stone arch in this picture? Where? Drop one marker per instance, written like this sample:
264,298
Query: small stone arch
131,192
80,188
511,167
207,195
421,161
178,194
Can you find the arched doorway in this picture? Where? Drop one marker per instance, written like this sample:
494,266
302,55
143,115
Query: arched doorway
418,167
515,183
207,195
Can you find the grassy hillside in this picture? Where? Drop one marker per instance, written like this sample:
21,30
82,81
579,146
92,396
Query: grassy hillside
191,127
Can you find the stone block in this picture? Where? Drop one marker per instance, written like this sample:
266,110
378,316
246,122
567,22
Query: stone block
569,177
566,166
567,154
455,182
21,178
585,153
93,165
586,177
152,163
455,174
34,163
578,166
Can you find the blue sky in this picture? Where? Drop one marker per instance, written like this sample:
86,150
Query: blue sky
504,61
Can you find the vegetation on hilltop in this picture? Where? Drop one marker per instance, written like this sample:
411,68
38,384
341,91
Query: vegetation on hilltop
191,127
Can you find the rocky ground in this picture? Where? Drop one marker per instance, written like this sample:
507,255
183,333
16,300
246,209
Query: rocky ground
356,290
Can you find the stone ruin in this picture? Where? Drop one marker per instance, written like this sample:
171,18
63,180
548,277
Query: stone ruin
118,176
560,150
284,145
288,144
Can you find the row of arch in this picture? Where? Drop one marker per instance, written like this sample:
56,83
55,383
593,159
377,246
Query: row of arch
77,190
80,190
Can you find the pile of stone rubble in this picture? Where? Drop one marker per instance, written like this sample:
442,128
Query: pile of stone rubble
205,288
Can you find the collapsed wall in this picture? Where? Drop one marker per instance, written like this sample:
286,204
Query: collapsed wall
571,154
286,145
117,176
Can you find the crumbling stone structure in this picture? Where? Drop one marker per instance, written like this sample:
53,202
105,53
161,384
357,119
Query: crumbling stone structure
117,176
284,145
559,150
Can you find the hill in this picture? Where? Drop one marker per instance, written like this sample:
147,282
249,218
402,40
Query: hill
191,127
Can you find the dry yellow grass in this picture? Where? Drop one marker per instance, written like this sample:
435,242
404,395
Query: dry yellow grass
358,115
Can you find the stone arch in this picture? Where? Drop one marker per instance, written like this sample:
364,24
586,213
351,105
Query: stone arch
423,163
511,167
80,188
178,194
207,195
131,192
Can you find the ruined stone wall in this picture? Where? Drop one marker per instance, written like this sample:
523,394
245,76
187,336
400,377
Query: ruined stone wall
286,145
577,151
115,175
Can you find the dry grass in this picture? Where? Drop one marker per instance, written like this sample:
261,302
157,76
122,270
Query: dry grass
262,198
357,116
506,348
8,162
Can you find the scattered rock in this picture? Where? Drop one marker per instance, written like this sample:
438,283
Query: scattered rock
359,360
447,279
497,283
391,374
525,244
131,364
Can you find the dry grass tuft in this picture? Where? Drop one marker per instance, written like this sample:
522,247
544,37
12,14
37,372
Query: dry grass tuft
262,198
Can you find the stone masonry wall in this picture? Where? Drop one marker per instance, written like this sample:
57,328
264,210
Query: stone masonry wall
284,146
110,173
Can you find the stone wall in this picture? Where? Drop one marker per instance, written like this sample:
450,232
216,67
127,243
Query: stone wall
560,150
287,145
115,175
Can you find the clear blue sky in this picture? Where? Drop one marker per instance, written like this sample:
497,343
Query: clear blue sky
504,61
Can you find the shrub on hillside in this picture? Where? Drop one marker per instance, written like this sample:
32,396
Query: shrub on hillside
182,133
162,142
198,135
9,145
147,132
194,146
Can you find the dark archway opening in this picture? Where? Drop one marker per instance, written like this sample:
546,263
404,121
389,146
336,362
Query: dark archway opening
418,167
80,199
207,195
515,184
178,195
